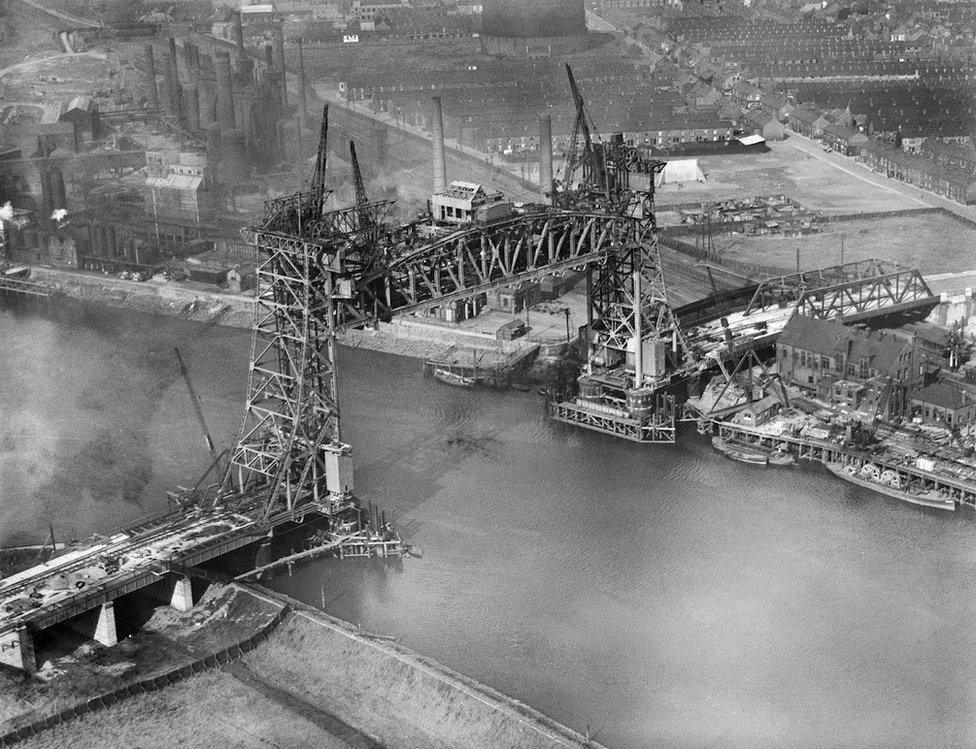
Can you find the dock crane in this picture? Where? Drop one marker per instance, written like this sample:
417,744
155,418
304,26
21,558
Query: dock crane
599,175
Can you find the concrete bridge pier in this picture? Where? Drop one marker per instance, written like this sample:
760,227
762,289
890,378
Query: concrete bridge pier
182,599
105,630
17,650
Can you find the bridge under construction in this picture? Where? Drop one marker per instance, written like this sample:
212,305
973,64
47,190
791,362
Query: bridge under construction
319,271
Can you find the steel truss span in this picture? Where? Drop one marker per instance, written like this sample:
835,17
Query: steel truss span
419,274
853,290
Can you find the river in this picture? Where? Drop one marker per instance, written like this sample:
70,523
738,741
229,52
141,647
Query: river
657,595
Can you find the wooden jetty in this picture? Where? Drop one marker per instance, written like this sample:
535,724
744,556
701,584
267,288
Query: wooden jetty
835,451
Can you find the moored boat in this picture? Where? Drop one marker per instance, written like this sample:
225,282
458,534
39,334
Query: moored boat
741,453
453,378
929,498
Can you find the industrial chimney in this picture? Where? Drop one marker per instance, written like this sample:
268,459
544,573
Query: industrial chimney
176,106
239,32
545,155
279,40
193,107
440,164
152,92
225,92
302,83
167,97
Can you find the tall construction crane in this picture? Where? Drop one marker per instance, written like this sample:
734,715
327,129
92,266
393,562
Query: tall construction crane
293,214
362,202
613,177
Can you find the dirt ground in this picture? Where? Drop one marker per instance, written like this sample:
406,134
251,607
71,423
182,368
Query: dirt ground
212,709
933,243
784,170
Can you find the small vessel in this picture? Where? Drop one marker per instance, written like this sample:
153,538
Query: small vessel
742,453
453,378
781,458
866,479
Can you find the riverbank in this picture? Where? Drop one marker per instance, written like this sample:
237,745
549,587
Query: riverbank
314,681
197,303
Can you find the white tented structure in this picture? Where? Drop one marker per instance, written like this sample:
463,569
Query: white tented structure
679,171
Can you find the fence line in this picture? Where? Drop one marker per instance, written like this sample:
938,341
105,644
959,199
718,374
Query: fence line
149,684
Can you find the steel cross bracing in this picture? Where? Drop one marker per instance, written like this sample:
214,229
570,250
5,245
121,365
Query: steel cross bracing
615,293
421,273
291,417
853,289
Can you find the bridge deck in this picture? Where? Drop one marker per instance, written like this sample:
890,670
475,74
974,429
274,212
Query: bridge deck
77,581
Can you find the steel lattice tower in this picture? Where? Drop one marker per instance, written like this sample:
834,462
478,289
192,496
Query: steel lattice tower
289,449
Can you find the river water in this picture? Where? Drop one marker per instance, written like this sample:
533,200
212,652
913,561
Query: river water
657,595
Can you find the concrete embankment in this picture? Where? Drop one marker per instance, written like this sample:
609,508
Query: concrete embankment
303,678
394,695
237,310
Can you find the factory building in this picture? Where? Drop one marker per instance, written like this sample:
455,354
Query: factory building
178,198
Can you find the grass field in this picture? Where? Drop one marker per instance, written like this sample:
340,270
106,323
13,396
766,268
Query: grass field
934,243
213,709
784,170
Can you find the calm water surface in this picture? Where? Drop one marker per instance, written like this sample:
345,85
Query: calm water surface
658,595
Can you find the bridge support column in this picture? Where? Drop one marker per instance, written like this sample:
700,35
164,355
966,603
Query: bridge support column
105,631
17,650
182,599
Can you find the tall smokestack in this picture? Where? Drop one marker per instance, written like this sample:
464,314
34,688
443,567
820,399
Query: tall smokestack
207,98
172,56
151,90
167,98
175,90
545,154
302,83
440,163
59,192
213,153
225,92
47,195
193,107
239,32
279,40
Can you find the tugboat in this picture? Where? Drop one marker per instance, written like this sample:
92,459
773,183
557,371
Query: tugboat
888,483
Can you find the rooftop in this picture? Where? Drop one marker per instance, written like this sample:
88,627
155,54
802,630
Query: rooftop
944,395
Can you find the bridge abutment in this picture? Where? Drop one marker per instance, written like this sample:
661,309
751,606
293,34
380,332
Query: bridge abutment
105,631
17,650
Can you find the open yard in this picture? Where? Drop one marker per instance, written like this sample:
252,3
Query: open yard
933,243
816,183
213,709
